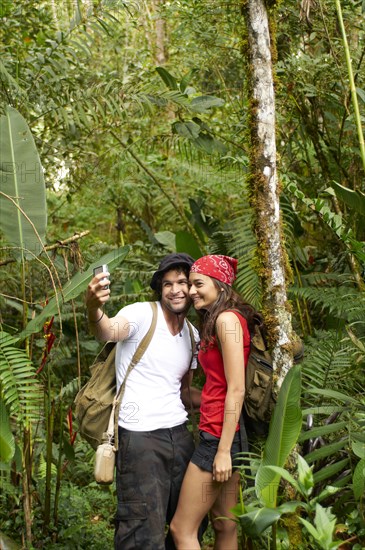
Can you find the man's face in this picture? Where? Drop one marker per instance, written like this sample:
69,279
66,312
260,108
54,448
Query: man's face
175,292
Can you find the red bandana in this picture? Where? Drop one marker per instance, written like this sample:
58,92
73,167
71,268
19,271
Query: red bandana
223,268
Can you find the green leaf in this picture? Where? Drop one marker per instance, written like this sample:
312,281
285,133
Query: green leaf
358,480
284,430
333,394
185,242
7,443
305,476
21,392
23,194
328,491
325,522
354,199
361,93
204,103
325,451
68,449
329,470
188,130
167,238
320,431
256,522
358,449
290,506
6,77
72,289
310,528
168,79
283,473
359,437
185,81
205,142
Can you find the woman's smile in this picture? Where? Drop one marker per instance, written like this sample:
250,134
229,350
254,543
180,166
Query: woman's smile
203,291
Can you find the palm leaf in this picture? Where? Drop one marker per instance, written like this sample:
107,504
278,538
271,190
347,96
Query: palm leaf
23,195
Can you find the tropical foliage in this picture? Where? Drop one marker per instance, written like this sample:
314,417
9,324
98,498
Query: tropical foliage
124,136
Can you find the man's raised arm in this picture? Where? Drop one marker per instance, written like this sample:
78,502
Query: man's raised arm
101,326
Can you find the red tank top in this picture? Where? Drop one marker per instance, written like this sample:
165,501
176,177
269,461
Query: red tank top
215,388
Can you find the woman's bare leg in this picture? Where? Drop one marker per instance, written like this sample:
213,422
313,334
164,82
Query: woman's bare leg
197,496
226,529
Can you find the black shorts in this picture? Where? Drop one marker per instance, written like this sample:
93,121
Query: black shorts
205,452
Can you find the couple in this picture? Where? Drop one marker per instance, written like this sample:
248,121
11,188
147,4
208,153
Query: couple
155,447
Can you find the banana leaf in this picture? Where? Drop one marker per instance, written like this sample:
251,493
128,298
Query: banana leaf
23,193
284,431
72,289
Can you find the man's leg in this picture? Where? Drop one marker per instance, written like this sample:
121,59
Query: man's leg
143,487
183,448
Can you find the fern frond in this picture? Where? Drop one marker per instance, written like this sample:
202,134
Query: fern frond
42,468
330,373
243,246
327,363
345,303
20,390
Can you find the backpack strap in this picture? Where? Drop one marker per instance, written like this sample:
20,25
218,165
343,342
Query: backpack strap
192,340
192,412
137,356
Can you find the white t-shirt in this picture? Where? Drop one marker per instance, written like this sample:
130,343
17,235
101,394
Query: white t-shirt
152,394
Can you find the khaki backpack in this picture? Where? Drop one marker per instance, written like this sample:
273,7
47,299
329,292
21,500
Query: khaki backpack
260,398
94,402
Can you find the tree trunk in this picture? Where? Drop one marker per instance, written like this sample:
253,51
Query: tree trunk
264,187
161,53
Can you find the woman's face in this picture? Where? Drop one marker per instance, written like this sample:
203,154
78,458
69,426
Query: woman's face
203,291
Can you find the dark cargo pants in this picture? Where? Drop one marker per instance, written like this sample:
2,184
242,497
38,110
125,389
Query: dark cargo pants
150,470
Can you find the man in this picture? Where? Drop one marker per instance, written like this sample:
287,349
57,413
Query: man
155,445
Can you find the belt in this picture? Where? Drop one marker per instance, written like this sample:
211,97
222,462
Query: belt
179,428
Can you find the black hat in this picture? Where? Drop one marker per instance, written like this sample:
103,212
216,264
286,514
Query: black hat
169,262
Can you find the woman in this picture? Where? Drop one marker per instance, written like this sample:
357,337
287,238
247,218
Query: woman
211,482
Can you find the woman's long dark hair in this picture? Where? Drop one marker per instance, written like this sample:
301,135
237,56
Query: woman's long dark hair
228,299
